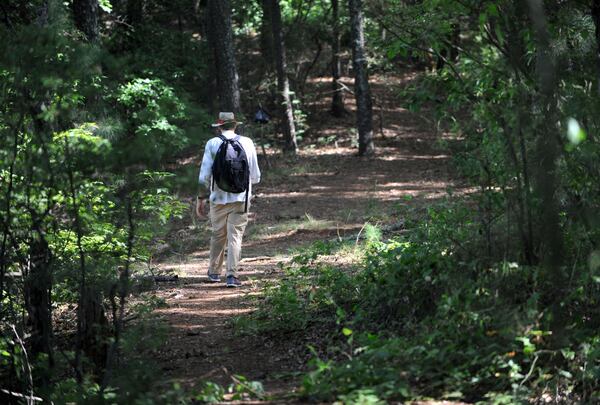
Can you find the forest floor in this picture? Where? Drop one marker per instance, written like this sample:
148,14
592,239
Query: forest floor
326,192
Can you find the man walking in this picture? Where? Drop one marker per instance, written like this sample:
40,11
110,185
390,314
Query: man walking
228,171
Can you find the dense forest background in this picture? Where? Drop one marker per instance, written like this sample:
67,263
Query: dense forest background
490,295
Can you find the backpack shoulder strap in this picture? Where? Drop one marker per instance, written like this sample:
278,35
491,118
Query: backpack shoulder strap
224,140
238,139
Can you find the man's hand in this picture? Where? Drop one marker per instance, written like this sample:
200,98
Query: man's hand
201,208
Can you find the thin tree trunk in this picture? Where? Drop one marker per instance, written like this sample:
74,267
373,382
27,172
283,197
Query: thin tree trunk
37,287
221,40
301,83
515,52
547,140
37,284
94,327
553,277
214,71
337,101
283,85
122,289
85,14
596,18
362,91
266,35
455,41
529,241
516,49
8,196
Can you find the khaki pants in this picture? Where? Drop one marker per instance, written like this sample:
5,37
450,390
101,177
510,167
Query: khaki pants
228,223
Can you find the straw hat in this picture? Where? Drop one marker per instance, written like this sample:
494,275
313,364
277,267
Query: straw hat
225,118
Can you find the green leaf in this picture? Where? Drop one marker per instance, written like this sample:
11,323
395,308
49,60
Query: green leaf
347,332
565,374
575,133
492,10
105,5
528,347
568,354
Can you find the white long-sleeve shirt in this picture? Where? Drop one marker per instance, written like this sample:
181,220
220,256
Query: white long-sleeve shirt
218,196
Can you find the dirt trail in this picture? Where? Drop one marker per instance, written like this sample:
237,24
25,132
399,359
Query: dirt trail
326,192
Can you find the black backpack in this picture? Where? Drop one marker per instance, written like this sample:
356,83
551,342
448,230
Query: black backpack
261,116
230,170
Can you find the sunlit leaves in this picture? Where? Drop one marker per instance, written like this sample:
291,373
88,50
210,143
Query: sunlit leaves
152,113
575,133
105,5
84,138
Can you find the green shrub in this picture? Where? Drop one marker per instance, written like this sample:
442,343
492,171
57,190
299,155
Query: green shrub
418,320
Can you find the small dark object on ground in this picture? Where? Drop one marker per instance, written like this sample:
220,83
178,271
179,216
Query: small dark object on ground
166,279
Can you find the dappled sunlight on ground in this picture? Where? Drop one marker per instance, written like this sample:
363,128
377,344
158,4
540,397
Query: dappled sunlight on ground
202,344
326,192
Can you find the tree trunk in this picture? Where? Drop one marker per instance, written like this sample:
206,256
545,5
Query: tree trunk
516,54
37,287
455,41
94,328
283,85
362,91
266,34
553,278
596,18
516,46
85,14
337,101
43,14
221,41
135,12
547,139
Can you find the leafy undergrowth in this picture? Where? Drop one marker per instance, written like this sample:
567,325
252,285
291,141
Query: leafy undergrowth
241,389
422,317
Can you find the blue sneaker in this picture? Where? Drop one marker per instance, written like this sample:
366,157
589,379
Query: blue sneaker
233,282
213,278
